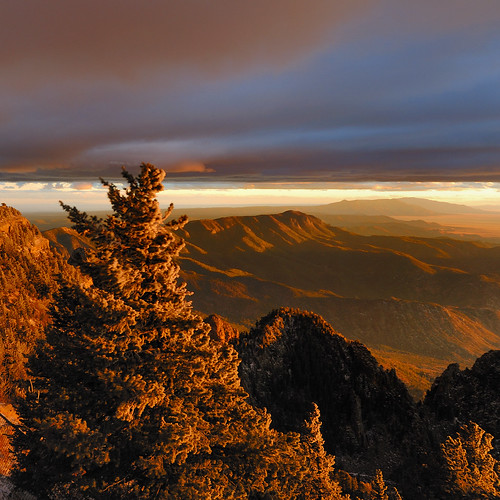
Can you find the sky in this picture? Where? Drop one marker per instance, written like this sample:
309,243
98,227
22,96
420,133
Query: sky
258,102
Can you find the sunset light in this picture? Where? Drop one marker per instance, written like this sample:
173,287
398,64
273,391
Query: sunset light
249,250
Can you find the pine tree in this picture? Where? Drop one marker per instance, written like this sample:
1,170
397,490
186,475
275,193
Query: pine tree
321,466
379,487
470,470
132,398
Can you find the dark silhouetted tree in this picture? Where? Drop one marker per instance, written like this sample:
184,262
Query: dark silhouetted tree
135,399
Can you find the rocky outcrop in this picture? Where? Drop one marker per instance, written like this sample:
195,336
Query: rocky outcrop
221,329
459,396
18,235
292,359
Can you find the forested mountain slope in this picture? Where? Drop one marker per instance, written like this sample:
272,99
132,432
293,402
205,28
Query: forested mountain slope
28,267
291,359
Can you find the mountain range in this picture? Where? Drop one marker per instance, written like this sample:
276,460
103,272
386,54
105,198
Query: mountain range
418,303
395,206
414,304
367,217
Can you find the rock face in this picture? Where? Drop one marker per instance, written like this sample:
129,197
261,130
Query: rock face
18,234
221,329
292,359
458,396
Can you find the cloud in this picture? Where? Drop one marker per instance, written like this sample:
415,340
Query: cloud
19,169
83,186
260,91
32,186
132,40
185,167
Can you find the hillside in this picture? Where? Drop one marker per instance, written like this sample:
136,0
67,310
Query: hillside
27,269
383,225
406,297
291,359
301,252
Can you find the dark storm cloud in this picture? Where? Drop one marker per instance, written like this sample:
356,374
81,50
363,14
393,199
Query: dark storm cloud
251,90
124,38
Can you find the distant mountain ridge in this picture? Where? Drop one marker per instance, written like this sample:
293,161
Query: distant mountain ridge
443,207
375,207
395,207
368,208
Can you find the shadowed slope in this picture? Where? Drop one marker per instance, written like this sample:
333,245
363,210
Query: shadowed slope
303,252
403,296
66,240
